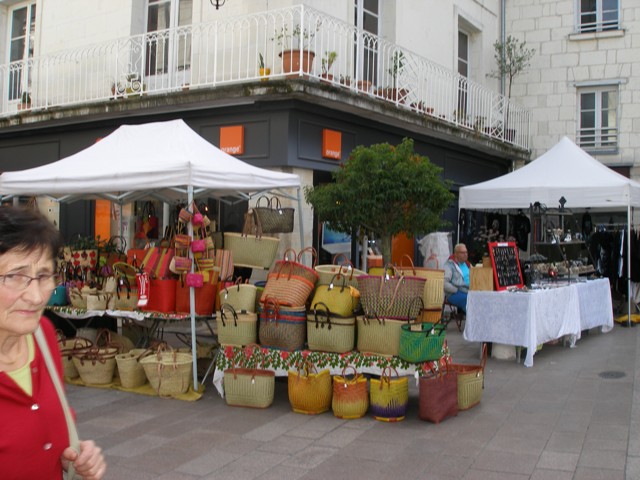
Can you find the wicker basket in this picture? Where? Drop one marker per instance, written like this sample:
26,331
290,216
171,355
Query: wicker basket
130,371
69,347
284,328
430,315
344,270
96,366
236,329
169,372
433,295
252,252
380,336
330,333
389,397
470,382
350,395
421,342
241,296
249,387
309,393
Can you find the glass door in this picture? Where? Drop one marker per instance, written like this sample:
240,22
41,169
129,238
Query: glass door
21,48
367,22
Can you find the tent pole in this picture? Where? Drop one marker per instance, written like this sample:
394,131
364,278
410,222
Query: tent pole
629,261
300,221
192,307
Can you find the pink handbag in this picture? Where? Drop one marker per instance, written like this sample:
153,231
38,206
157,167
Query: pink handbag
195,280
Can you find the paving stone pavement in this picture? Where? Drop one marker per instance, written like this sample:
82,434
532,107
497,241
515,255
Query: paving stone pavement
558,420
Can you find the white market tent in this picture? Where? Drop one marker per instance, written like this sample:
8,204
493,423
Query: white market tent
565,170
166,161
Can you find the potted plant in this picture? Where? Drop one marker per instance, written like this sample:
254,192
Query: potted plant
25,101
327,62
264,71
295,48
394,93
345,80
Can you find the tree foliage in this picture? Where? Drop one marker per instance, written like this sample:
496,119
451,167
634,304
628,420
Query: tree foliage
384,190
512,57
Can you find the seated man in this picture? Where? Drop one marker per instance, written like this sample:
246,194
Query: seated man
456,277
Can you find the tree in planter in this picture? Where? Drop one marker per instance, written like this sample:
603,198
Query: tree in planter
383,190
327,62
291,42
513,58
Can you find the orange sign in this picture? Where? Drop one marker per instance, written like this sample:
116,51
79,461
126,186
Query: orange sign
232,139
331,144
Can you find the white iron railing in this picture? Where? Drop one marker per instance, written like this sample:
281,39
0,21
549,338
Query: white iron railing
225,52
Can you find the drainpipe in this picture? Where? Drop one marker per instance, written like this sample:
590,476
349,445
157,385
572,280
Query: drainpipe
503,37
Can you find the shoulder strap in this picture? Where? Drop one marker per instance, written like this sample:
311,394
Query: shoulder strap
74,440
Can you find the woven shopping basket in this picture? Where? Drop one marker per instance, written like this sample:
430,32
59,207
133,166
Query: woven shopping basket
470,381
337,296
284,328
309,393
433,293
391,297
438,394
327,332
379,336
236,329
273,217
421,342
168,371
389,396
343,269
69,347
96,365
249,387
241,296
290,290
350,395
252,252
130,371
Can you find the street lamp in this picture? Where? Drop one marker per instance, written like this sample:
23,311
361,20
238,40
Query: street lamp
217,3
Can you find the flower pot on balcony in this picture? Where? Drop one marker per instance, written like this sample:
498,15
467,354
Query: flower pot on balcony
292,60
264,74
326,78
364,85
394,94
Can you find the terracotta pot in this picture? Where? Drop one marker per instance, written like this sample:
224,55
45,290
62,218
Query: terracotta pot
328,78
291,60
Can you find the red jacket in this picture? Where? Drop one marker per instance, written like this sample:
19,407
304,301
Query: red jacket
33,431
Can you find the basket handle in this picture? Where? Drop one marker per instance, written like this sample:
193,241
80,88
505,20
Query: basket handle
411,306
223,315
327,314
413,268
314,256
386,377
346,263
286,252
271,307
267,199
338,276
344,375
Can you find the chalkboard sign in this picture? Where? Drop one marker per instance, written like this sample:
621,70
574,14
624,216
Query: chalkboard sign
506,265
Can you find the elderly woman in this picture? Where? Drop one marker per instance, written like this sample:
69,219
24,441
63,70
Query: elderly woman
34,442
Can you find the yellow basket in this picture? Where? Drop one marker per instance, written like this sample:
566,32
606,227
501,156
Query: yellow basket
309,393
350,395
389,397
470,382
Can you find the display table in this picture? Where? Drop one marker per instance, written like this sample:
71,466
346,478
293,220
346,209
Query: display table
154,320
281,362
531,318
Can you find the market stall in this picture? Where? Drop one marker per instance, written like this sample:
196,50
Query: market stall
165,161
565,171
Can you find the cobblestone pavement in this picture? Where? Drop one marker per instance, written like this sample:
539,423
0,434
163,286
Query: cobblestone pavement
561,419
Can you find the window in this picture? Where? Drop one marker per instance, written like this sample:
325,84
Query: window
21,46
367,19
168,50
463,71
598,121
598,15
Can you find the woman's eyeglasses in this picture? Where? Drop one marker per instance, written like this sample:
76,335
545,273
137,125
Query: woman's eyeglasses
19,281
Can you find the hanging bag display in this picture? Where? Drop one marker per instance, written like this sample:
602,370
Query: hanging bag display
236,329
272,216
389,397
204,296
310,392
249,387
251,251
350,395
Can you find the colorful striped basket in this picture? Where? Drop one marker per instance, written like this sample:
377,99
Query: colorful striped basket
350,395
389,397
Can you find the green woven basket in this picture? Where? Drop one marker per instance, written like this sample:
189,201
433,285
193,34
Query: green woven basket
421,342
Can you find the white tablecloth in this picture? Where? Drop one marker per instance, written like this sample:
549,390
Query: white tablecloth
531,318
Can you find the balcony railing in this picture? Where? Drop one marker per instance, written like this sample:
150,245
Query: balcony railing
228,51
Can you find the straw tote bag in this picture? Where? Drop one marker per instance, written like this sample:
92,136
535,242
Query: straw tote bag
391,296
272,216
337,296
344,268
310,392
350,395
433,295
389,397
249,387
438,395
289,289
327,332
284,328
241,296
236,329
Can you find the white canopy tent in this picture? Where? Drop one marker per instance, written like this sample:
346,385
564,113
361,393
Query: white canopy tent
565,170
166,161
